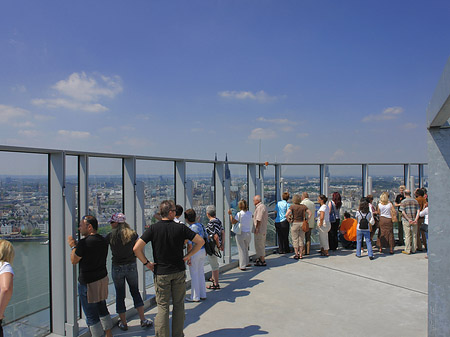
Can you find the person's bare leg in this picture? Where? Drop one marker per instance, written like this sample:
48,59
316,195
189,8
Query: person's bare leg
140,311
108,333
215,277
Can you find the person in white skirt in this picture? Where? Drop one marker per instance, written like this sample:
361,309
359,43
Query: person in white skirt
244,217
6,277
197,261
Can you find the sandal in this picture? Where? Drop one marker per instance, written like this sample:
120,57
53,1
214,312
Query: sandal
122,326
210,279
146,323
259,263
296,257
213,287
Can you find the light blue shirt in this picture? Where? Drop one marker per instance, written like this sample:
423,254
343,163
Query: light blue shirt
281,209
199,229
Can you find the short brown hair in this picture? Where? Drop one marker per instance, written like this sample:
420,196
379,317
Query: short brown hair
296,199
285,196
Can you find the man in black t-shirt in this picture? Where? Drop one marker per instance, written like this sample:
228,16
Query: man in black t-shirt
90,253
168,238
398,200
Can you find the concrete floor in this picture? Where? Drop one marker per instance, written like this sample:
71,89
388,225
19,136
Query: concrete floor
336,296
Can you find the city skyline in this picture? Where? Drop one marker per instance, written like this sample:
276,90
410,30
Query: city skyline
296,81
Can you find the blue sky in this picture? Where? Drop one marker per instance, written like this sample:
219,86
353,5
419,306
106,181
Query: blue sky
316,81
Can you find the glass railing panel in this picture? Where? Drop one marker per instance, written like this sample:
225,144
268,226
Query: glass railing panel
200,189
105,197
236,175
159,185
347,181
297,179
385,178
24,221
270,202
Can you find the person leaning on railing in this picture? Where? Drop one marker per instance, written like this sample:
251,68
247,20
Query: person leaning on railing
121,240
6,277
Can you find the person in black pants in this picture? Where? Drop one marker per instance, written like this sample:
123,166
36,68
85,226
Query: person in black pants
334,205
282,225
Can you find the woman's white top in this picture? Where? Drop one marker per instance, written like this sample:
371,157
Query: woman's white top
324,208
5,267
425,214
385,210
246,221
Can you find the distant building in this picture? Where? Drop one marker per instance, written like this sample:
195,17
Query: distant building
6,229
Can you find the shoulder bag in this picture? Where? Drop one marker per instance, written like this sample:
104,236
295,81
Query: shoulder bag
236,229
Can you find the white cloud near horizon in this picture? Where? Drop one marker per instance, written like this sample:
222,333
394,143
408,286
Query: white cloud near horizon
260,133
290,148
74,134
259,96
82,92
387,114
8,113
29,133
276,120
302,135
338,154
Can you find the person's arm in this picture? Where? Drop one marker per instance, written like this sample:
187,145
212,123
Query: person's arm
199,242
232,220
74,258
138,250
6,291
308,212
417,217
288,213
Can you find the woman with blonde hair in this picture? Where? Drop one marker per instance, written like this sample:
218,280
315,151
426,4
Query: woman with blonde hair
387,212
299,213
121,240
244,217
6,277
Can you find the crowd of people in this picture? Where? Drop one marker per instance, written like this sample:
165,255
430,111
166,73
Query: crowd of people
175,245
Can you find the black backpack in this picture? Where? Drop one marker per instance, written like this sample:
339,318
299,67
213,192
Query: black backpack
363,223
210,244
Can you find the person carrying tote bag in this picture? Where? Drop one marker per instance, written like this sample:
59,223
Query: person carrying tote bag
243,232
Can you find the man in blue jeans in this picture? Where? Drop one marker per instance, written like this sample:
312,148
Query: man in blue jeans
168,238
90,253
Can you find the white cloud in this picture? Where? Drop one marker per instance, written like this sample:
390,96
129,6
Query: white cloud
276,120
8,113
82,92
338,154
289,149
19,88
387,114
74,134
29,133
81,87
54,103
26,124
302,135
287,129
410,126
197,130
259,96
260,133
